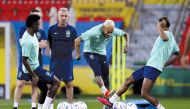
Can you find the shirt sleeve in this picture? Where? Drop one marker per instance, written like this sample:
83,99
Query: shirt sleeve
118,32
50,38
43,35
26,49
74,34
87,35
176,48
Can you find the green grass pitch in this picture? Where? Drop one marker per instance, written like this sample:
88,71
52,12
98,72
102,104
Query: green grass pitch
168,102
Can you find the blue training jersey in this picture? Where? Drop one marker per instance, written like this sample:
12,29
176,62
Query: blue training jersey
61,40
40,35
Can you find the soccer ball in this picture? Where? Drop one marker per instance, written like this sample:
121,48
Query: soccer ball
131,105
79,105
64,105
119,105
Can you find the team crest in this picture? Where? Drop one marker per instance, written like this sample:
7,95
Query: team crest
38,34
68,33
91,56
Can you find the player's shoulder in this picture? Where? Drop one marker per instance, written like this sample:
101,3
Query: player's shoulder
41,31
70,27
53,27
23,28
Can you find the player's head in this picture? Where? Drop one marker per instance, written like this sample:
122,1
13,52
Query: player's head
108,28
63,16
35,12
167,25
32,22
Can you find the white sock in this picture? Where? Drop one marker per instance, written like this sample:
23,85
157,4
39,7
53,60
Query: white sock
15,104
33,104
159,106
51,106
40,106
47,103
114,98
103,89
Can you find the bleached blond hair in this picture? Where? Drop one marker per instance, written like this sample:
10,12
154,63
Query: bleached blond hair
109,23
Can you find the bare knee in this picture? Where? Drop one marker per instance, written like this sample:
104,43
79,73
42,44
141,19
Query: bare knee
129,81
69,85
144,93
20,84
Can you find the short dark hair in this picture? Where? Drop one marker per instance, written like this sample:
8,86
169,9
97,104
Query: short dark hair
34,10
31,19
166,19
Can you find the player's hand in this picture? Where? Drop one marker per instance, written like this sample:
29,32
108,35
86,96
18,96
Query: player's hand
126,48
184,62
77,57
35,80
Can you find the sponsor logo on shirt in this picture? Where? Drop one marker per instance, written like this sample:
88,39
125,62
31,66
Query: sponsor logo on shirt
68,33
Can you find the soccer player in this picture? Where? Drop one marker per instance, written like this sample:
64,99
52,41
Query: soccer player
164,47
61,38
95,41
185,58
31,66
22,78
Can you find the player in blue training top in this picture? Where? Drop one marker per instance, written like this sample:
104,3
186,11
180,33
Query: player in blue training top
165,51
95,41
31,66
22,77
61,38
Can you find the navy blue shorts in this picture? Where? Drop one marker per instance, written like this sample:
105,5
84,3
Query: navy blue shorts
44,75
21,75
62,69
146,72
98,63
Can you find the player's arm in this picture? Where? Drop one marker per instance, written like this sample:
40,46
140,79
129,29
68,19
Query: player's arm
163,35
175,56
85,36
126,35
49,44
185,58
77,47
187,44
43,42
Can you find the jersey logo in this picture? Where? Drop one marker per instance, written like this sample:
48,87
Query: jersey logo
55,33
68,33
38,34
91,56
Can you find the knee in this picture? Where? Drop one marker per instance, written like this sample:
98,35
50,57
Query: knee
128,82
143,93
20,84
69,85
57,83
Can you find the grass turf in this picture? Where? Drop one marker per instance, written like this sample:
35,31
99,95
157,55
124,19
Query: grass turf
168,102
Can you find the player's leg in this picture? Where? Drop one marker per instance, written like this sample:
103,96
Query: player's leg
105,75
55,83
137,75
69,91
92,60
43,92
18,92
150,75
34,96
49,78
